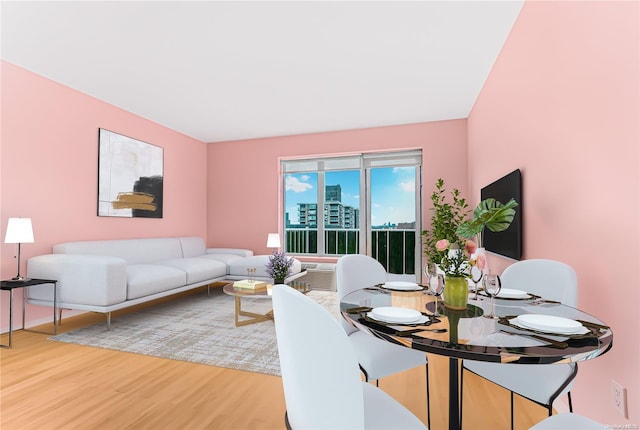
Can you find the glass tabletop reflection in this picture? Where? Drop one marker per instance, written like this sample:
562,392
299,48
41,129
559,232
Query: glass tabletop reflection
468,334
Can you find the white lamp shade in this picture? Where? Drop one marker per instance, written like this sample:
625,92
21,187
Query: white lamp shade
19,230
273,240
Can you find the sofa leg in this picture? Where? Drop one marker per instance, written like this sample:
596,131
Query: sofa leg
108,320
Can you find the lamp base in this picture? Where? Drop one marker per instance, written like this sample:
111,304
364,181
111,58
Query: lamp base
19,279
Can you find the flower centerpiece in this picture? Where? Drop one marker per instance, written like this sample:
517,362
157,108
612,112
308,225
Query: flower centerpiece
279,266
449,242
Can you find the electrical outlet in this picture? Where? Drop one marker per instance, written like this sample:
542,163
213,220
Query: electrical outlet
619,398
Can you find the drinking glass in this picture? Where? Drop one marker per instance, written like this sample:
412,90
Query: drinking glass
435,282
430,270
436,285
476,277
492,285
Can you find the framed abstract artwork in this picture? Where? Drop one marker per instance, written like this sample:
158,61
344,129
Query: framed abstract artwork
130,176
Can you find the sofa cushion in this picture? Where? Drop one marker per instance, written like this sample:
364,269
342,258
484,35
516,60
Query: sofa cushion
146,279
133,251
192,246
237,251
198,269
224,258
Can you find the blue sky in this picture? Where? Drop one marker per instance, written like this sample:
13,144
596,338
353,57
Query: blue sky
393,192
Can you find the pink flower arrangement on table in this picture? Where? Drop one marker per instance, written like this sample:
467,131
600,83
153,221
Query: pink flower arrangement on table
458,258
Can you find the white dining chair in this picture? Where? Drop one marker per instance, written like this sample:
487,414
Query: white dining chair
322,384
540,383
567,421
377,358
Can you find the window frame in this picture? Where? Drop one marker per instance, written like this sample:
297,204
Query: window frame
363,162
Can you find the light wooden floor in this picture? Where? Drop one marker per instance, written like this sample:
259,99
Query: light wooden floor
53,385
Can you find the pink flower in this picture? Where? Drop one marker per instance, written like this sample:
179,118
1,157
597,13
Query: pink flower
470,247
442,245
481,262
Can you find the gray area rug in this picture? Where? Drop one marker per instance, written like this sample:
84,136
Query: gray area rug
198,329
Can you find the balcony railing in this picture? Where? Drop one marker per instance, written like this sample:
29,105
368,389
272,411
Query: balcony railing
393,248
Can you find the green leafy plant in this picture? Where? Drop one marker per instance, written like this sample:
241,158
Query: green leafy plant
491,214
448,242
447,216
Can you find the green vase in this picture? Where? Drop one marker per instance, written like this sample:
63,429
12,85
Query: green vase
456,292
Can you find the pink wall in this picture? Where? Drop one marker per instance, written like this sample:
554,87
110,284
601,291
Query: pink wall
243,183
50,171
562,104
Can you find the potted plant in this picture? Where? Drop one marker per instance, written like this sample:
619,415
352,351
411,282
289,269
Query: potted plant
449,244
445,221
279,266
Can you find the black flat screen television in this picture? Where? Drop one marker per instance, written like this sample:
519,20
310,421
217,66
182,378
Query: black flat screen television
509,242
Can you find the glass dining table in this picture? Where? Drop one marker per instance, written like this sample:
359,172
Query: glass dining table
469,335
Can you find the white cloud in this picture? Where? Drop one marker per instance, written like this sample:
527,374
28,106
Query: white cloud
408,186
293,184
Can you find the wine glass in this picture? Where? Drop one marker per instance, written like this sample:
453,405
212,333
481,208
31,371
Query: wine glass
492,285
476,277
430,271
436,286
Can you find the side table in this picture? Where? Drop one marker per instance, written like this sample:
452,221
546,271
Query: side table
12,285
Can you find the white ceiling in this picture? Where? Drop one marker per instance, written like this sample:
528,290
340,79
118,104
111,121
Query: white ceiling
221,71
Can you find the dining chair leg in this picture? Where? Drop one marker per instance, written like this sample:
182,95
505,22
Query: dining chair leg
570,403
364,372
286,421
511,410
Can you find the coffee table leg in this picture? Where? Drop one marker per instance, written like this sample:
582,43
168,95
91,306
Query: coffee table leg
237,312
253,317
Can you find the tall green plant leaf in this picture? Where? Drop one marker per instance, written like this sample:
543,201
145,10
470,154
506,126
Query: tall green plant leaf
491,214
448,213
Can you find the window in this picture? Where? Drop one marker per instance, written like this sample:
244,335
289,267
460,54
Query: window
364,203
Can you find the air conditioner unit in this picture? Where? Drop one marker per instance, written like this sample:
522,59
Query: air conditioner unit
321,276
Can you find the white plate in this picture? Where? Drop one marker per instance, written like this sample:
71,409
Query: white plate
402,285
393,314
506,293
549,323
421,320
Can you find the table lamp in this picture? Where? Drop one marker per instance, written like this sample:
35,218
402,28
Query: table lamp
273,241
19,231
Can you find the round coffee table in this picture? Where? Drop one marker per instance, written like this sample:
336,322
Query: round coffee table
252,317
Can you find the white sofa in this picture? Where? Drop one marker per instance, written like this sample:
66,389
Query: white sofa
107,275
